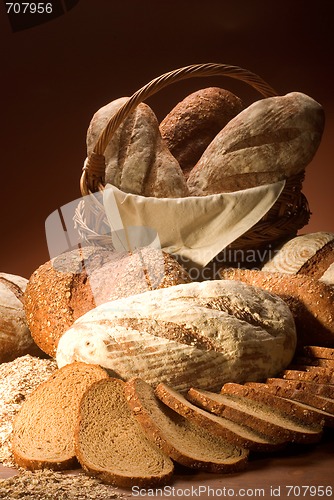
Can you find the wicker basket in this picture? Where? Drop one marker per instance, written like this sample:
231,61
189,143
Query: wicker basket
289,214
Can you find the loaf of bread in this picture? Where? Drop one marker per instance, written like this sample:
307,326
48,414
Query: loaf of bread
137,159
64,288
110,443
271,140
15,336
259,415
43,430
310,301
194,122
310,254
208,333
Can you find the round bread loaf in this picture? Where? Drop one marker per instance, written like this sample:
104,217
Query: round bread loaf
194,122
310,254
64,288
15,337
202,334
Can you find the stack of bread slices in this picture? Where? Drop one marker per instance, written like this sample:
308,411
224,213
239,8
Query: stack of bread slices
130,433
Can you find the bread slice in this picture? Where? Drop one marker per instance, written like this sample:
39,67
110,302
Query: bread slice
302,362
258,415
312,374
111,445
43,430
290,409
290,389
186,443
238,434
319,352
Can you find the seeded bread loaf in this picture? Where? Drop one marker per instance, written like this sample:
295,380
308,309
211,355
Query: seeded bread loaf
137,159
183,441
236,433
310,254
260,416
111,445
194,122
43,430
208,333
65,288
311,302
271,140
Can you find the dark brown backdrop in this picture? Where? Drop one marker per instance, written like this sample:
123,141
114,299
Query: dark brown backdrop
56,75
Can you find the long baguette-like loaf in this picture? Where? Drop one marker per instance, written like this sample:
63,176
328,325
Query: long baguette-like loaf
137,159
270,140
310,300
197,333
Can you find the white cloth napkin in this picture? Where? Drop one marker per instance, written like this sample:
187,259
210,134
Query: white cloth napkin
196,228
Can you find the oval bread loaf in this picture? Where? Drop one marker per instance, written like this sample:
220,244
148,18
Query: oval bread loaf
194,122
198,333
270,140
137,159
65,288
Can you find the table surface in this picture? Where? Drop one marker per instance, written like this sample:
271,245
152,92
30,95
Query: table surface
297,472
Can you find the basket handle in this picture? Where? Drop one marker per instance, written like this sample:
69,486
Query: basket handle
94,167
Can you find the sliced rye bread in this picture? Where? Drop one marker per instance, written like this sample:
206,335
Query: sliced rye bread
292,409
312,374
319,352
110,443
258,415
291,390
301,362
186,443
237,434
43,430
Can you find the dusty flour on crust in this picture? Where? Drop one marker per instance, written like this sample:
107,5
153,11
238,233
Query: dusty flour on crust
49,485
18,379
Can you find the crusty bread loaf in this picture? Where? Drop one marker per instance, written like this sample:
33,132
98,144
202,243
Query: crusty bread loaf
137,159
311,302
258,415
310,254
15,336
238,434
186,443
110,443
205,333
271,140
43,430
194,122
63,289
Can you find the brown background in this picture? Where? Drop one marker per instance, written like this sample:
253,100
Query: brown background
56,75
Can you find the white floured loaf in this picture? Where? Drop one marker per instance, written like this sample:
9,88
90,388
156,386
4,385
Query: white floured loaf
205,333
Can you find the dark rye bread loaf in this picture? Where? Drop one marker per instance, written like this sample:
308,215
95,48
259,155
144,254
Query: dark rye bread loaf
205,333
258,415
310,301
43,430
194,122
186,443
236,433
65,288
110,443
